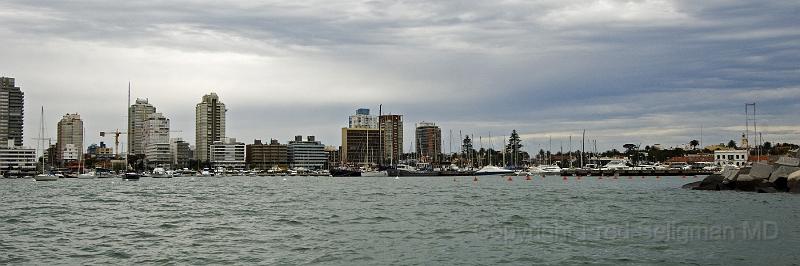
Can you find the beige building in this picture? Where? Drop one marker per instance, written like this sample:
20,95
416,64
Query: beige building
157,145
138,114
69,140
210,124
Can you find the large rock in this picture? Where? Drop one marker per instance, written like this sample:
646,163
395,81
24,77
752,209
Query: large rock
693,185
793,182
788,161
761,171
711,182
782,172
766,190
730,174
746,183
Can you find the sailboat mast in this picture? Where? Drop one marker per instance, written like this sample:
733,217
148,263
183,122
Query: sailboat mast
41,138
127,110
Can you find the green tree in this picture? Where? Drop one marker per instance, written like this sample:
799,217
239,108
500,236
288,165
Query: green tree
732,144
694,143
513,148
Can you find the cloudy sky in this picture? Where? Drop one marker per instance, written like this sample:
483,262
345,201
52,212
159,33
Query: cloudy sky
626,71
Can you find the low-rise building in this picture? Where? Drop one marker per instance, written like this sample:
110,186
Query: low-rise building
731,157
266,156
361,146
228,154
180,153
309,154
16,161
334,157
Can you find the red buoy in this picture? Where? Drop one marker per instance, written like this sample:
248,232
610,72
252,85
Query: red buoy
564,177
510,178
475,179
528,177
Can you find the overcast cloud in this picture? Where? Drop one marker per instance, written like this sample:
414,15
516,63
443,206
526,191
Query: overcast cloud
626,71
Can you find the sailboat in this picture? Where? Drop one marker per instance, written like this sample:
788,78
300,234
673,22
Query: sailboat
368,171
129,175
44,176
81,165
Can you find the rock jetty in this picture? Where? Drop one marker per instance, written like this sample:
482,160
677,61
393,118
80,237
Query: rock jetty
781,176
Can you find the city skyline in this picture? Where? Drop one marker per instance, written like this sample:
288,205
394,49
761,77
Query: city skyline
641,72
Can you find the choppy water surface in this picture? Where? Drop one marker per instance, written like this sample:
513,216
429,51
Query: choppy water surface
412,220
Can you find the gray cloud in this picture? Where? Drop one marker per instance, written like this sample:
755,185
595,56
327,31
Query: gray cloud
627,71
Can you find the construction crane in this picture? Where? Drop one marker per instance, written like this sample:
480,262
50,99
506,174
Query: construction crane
116,138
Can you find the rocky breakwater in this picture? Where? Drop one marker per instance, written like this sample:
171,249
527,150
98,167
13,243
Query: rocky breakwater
781,176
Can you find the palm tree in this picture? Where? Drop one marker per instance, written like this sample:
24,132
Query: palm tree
694,143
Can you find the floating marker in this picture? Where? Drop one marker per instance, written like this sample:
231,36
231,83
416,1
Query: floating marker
684,177
579,177
564,178
475,179
510,178
528,177
658,177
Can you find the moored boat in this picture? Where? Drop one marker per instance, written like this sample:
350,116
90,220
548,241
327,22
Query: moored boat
493,170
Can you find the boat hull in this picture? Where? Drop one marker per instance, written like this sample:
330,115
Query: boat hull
45,178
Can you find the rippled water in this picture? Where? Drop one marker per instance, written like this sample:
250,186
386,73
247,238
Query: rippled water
413,220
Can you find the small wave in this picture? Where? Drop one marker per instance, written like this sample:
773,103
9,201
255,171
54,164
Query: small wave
287,221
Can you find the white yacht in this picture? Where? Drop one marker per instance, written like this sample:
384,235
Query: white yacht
615,165
89,175
493,170
551,170
159,172
45,177
374,173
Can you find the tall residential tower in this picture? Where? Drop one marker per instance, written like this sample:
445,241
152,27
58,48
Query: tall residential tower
138,114
210,124
11,111
429,142
391,127
69,144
